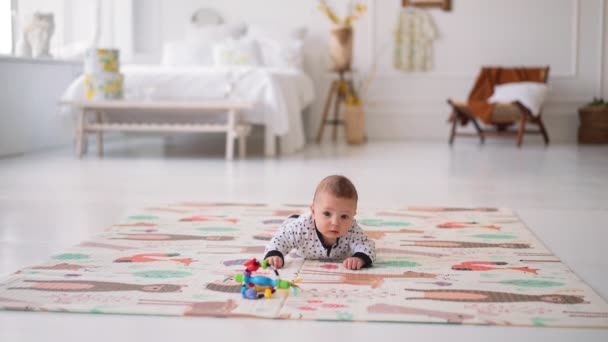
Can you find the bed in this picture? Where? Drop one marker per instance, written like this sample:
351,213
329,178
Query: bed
279,96
217,61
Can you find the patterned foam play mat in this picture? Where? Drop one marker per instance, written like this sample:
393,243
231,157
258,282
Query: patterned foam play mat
435,265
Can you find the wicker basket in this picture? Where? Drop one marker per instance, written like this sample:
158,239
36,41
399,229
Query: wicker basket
593,127
354,121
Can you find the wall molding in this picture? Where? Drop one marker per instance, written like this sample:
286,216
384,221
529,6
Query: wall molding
550,110
602,53
400,100
575,41
562,129
443,114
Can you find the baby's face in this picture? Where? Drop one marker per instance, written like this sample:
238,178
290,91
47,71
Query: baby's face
333,216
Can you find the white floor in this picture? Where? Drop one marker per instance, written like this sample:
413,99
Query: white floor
50,201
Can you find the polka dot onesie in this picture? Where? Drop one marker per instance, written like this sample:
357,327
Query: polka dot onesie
300,233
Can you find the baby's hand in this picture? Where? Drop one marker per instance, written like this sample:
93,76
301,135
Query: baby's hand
353,263
275,261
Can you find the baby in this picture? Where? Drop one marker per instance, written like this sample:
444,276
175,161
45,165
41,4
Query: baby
329,231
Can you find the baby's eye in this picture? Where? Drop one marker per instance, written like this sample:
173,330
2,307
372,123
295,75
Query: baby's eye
344,217
326,214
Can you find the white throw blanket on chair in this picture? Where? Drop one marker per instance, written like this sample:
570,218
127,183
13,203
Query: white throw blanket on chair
530,94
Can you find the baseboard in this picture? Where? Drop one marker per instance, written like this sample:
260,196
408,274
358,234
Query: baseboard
561,128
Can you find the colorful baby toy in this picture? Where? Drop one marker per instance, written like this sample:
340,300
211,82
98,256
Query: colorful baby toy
255,287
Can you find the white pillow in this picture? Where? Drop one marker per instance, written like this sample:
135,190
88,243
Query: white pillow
237,52
196,48
186,53
278,54
280,49
530,94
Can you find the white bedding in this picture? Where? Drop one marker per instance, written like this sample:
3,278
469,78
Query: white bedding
279,95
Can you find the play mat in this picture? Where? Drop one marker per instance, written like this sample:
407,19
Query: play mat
435,265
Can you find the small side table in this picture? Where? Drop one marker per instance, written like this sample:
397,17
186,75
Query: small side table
339,90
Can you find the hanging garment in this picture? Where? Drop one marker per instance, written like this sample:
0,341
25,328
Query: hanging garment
414,38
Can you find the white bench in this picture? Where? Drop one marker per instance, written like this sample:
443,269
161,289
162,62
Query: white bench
233,127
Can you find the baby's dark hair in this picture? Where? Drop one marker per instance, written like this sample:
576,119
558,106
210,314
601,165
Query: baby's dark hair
338,186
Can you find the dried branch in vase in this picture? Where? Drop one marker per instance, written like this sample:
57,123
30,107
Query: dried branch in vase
353,13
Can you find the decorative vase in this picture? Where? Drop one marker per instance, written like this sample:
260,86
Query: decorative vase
341,48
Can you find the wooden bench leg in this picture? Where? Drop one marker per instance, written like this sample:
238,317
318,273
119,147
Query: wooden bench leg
98,116
242,147
80,133
243,141
229,146
270,143
230,134
243,131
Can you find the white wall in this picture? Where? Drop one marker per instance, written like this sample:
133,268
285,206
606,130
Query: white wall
29,116
568,35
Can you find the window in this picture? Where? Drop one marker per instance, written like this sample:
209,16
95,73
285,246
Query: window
47,20
61,29
64,29
6,27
